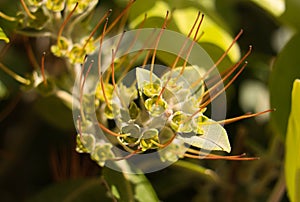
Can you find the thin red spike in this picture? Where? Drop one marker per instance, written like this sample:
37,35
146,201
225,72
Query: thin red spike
106,130
232,69
201,153
96,27
185,42
119,17
146,59
81,73
132,60
43,68
232,158
226,86
114,55
202,106
27,10
113,69
156,45
192,45
180,51
137,34
65,22
166,144
79,127
245,116
86,74
81,85
100,48
103,91
128,156
220,59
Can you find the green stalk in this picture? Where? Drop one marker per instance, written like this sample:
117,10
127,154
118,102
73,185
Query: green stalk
14,75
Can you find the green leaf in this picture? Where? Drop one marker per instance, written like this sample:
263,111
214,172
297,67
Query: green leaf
214,137
210,174
213,32
3,36
285,71
275,7
73,190
129,187
291,14
183,18
292,156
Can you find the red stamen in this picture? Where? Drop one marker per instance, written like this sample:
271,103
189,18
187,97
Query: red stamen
106,130
232,69
119,17
96,27
43,68
27,10
128,156
100,48
178,55
113,68
65,22
219,60
156,45
216,157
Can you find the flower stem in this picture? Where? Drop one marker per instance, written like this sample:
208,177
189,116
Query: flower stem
14,75
6,17
27,10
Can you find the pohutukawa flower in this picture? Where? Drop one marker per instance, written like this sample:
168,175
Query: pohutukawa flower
146,108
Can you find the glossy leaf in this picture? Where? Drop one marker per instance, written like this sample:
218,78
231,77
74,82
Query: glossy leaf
292,156
285,71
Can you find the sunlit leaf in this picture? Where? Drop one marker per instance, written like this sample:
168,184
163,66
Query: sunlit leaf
285,71
292,156
275,7
183,20
213,32
3,36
